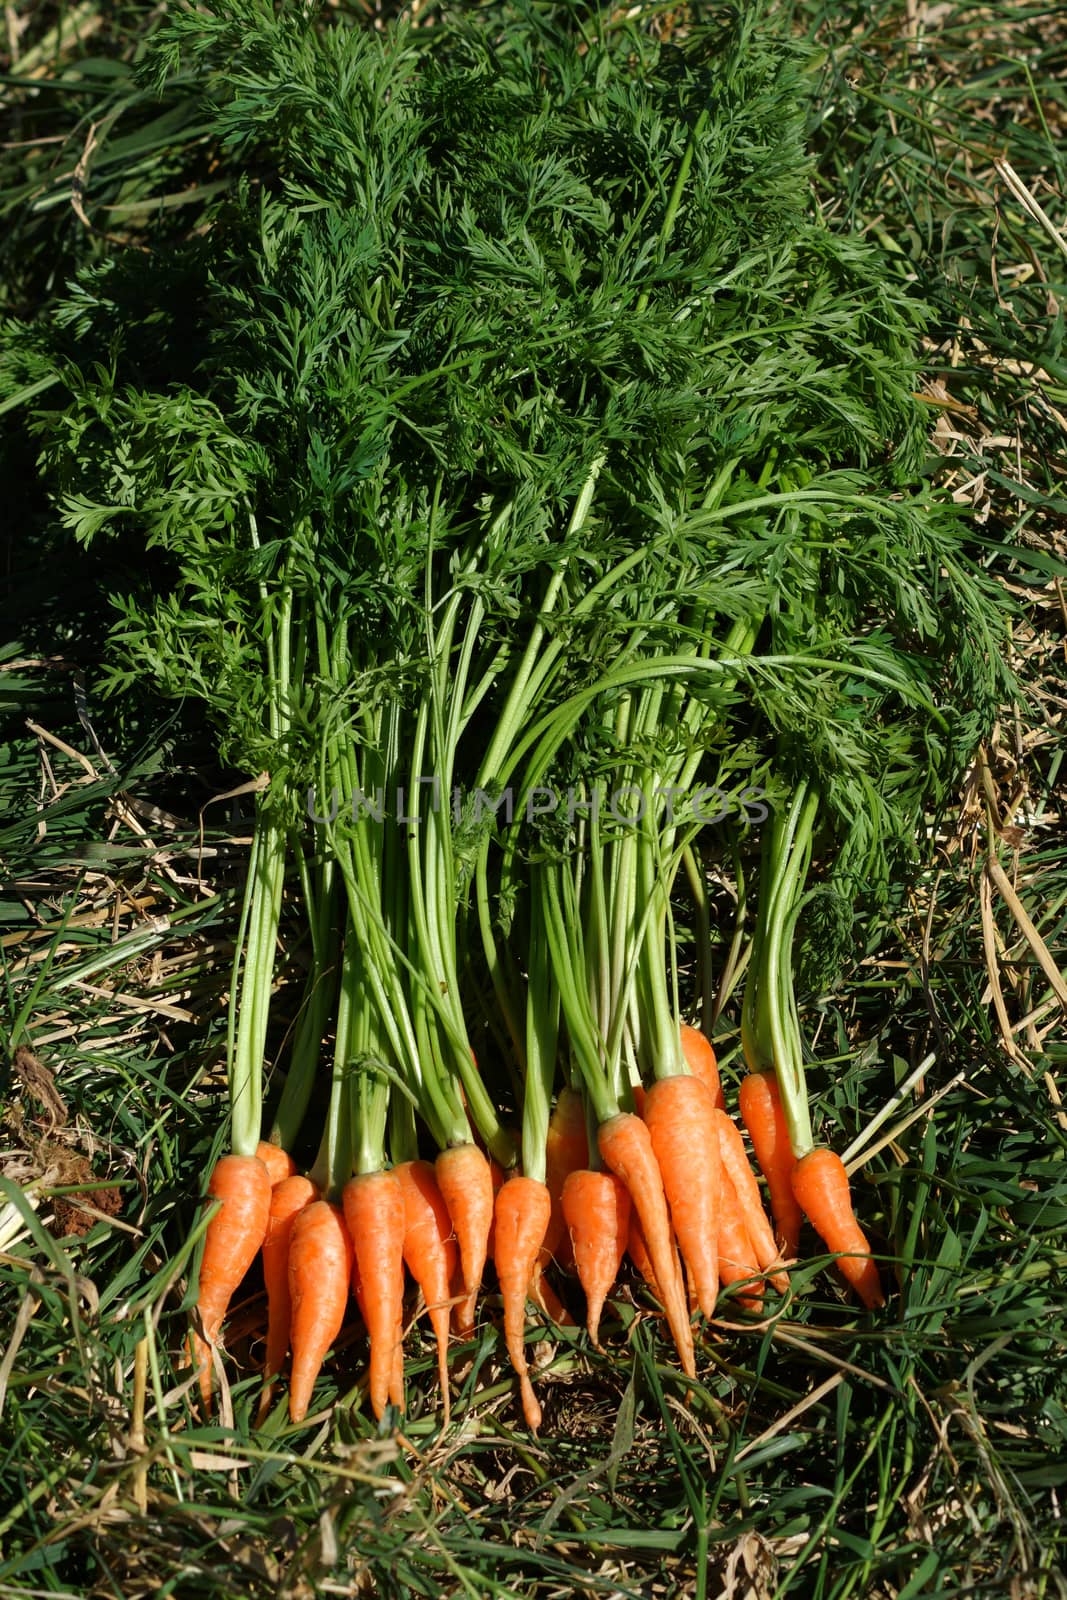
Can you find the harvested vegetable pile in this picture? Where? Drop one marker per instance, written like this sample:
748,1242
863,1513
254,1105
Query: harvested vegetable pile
533,491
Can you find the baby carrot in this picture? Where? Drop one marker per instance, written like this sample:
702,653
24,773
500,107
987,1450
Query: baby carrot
430,1254
761,1109
680,1115
523,1208
820,1184
233,1238
596,1207
626,1147
375,1216
466,1185
287,1199
320,1256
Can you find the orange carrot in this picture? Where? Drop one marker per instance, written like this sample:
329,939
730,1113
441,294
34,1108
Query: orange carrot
820,1184
430,1253
278,1162
566,1151
522,1212
762,1113
626,1147
466,1184
320,1255
287,1199
737,1258
375,1216
735,1161
680,1116
596,1206
700,1059
231,1243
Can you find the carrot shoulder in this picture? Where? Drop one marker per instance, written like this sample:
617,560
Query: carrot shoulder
700,1059
820,1184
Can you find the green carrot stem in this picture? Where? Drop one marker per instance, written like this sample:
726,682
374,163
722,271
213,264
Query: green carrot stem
776,1017
316,1006
263,898
333,1163
563,936
403,1134
542,1038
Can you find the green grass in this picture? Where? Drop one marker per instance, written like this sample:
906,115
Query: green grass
918,1453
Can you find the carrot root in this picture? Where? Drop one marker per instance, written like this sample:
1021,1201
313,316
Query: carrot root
319,1267
566,1151
288,1198
760,1232
465,1180
680,1116
820,1184
760,1104
278,1162
430,1255
597,1207
737,1258
523,1209
232,1241
700,1059
375,1217
626,1147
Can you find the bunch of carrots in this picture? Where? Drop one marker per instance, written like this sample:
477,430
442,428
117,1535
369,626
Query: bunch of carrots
535,483
673,1190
